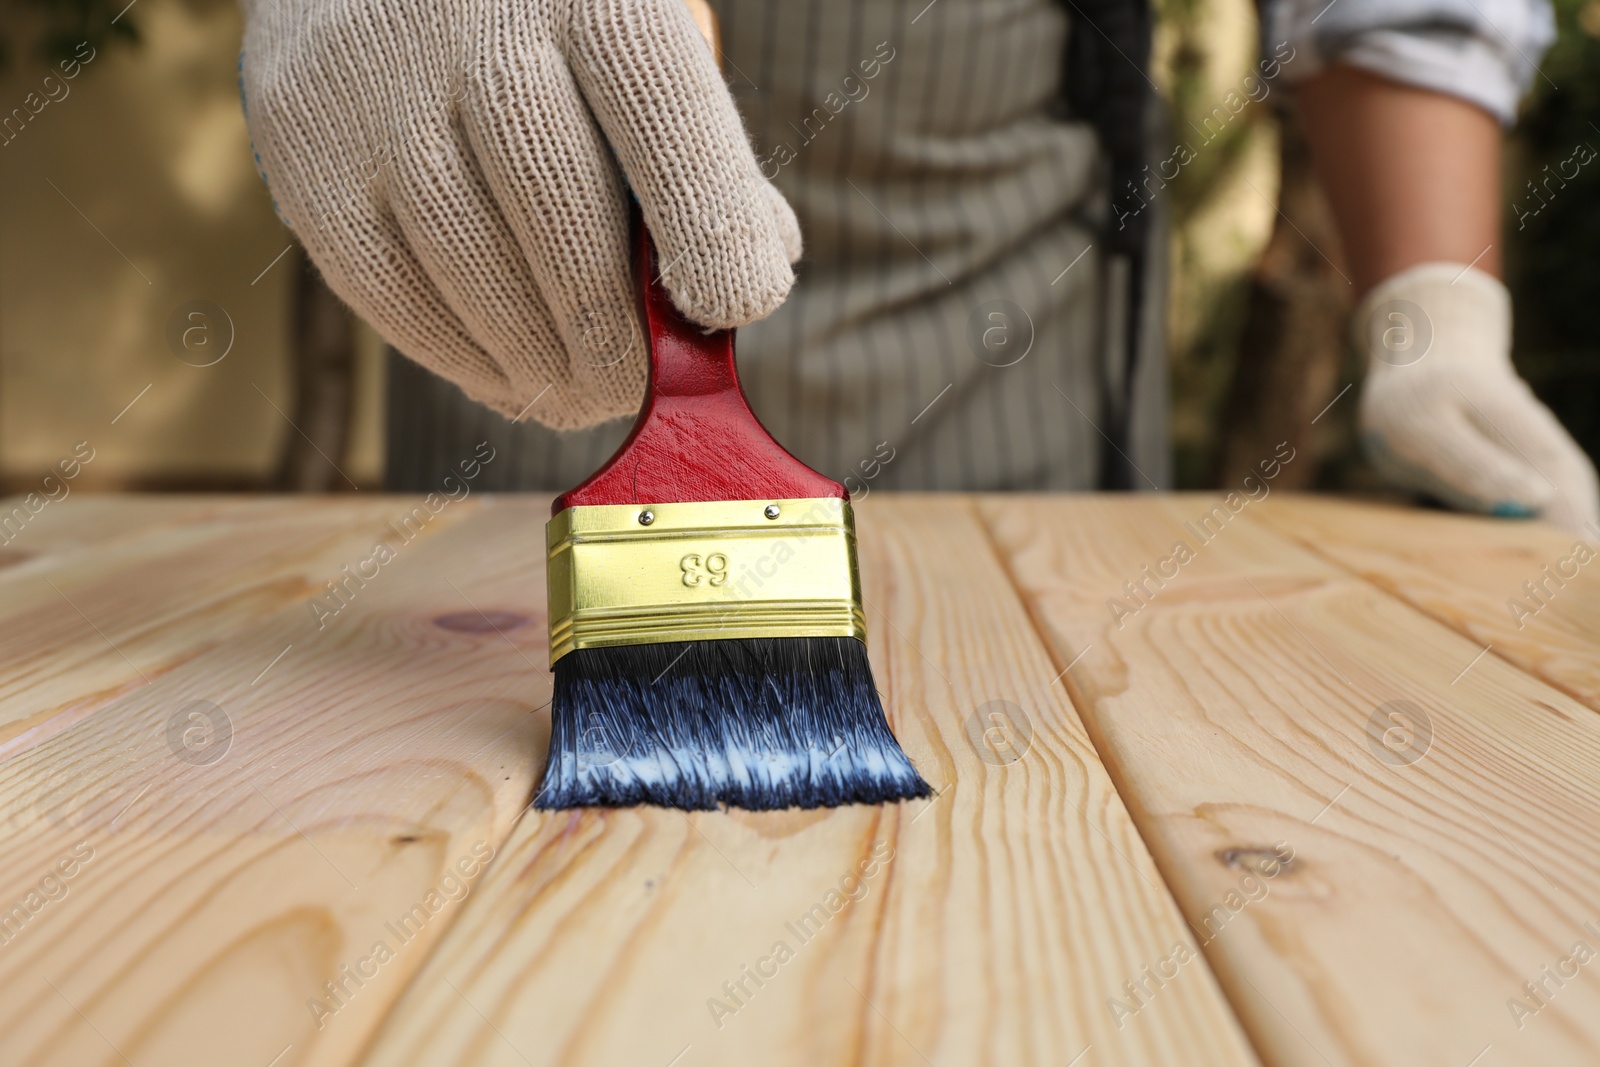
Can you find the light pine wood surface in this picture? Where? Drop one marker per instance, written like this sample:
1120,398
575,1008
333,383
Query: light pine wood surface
1011,906
364,763
1195,829
1434,870
1528,592
95,608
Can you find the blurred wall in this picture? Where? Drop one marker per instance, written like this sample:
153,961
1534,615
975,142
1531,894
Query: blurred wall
121,202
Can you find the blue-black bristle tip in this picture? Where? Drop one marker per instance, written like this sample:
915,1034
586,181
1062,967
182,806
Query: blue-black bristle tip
760,724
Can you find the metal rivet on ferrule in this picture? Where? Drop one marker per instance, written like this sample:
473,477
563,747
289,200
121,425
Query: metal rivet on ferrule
771,511
646,517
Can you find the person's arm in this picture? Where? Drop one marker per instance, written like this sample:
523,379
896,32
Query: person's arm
1412,175
1404,114
460,174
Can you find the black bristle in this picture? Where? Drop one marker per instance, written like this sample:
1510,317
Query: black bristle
756,723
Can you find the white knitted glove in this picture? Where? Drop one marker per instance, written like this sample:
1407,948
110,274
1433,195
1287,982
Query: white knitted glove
1444,412
452,168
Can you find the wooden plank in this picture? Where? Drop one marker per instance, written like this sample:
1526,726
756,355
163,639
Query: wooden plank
110,604
1529,590
209,902
82,519
1426,883
993,924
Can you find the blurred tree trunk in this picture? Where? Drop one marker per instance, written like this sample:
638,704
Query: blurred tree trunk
1294,336
324,384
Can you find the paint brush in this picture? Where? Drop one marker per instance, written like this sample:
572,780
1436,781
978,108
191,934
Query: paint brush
706,627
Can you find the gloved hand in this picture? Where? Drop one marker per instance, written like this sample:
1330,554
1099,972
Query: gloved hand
1444,412
452,169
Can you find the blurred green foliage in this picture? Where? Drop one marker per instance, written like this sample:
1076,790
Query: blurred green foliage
1553,225
49,30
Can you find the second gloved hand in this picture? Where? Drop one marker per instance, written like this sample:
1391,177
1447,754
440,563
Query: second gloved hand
452,169
1444,412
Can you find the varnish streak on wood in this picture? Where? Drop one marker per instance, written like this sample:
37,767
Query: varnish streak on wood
481,622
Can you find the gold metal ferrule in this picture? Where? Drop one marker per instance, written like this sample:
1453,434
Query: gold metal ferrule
644,574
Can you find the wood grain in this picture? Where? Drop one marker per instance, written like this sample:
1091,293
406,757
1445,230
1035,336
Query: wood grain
1354,907
999,921
217,898
116,595
85,519
1232,710
1472,574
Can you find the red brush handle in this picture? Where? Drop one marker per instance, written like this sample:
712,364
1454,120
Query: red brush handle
696,438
